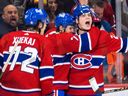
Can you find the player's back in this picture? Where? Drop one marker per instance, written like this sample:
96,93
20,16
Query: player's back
22,74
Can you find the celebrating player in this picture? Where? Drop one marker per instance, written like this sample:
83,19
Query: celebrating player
64,22
25,59
63,41
80,71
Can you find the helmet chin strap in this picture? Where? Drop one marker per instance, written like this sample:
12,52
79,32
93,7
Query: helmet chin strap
81,29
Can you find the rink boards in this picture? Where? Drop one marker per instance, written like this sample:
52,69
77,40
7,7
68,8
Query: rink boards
116,90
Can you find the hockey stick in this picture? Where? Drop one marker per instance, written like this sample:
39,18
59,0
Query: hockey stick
8,59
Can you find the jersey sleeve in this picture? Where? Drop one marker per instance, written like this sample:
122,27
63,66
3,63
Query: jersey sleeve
107,42
46,69
66,42
94,39
2,43
113,43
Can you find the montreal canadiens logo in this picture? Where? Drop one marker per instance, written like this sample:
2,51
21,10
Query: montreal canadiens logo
81,61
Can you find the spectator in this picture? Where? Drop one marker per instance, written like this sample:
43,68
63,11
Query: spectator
25,3
113,3
98,7
22,6
30,70
125,6
113,69
9,21
53,8
3,3
109,15
69,3
104,25
125,22
85,2
126,67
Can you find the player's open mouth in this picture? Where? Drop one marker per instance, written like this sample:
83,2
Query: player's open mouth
87,22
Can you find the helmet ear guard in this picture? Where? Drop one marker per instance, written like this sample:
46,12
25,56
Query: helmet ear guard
64,19
34,15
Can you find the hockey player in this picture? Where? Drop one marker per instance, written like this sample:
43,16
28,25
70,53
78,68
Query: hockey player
63,41
26,60
78,73
64,22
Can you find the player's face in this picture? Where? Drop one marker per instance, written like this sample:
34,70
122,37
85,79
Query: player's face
10,15
84,21
69,29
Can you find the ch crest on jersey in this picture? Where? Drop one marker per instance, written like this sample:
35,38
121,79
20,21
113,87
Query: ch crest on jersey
81,61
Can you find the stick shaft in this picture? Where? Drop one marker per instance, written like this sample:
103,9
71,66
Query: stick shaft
9,58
